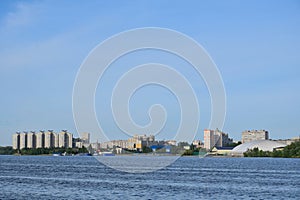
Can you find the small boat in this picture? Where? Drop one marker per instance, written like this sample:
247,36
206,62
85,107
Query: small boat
84,154
108,153
56,154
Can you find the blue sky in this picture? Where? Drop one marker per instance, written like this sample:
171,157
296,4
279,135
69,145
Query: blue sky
255,45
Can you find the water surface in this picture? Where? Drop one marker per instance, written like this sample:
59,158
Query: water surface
47,177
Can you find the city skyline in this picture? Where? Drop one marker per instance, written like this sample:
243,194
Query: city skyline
51,139
256,53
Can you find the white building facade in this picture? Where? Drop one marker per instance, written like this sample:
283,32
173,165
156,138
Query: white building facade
248,136
42,139
215,138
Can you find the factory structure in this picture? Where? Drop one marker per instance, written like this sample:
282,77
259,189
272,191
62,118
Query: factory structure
218,143
48,139
248,136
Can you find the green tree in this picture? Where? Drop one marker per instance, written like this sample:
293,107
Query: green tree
290,151
7,150
146,149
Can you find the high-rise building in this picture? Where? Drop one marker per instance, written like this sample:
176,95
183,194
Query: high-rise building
61,139
49,139
23,140
248,136
215,138
16,140
65,139
224,139
209,141
85,138
40,139
31,140
55,139
69,142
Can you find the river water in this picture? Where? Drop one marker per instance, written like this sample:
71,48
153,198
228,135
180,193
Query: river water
79,177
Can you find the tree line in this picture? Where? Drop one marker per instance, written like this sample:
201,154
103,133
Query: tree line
41,151
290,151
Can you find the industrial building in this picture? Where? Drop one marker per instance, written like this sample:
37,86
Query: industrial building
288,141
264,145
248,136
224,151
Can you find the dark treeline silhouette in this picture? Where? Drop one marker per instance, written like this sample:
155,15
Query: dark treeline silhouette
41,151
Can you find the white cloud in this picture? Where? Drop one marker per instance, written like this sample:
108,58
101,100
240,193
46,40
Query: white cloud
23,15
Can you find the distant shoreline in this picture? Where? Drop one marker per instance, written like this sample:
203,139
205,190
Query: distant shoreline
146,155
